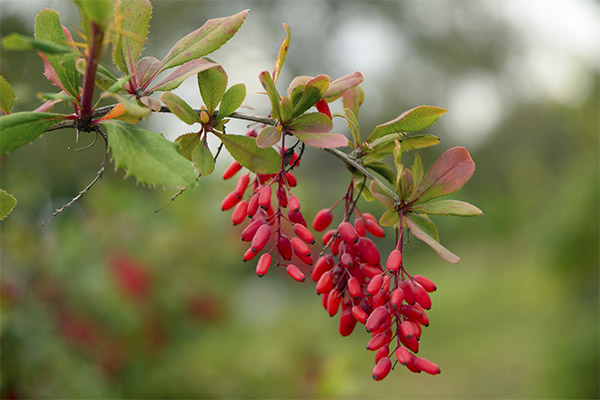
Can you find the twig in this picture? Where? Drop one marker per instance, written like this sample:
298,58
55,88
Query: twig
89,186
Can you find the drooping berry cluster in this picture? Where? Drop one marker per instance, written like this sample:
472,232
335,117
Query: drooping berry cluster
388,301
265,229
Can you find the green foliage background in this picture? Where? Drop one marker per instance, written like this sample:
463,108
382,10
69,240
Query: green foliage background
517,318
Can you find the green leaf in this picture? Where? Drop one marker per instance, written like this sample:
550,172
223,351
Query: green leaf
232,100
296,88
447,174
48,28
180,108
359,182
204,40
385,145
287,109
7,96
96,10
389,218
340,85
353,125
148,156
413,120
424,224
282,53
187,143
421,234
311,122
447,207
20,128
212,83
353,99
406,184
382,169
268,136
7,203
313,92
382,195
15,41
203,159
417,170
268,84
132,20
246,152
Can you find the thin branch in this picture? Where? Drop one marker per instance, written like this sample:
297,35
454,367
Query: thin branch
89,186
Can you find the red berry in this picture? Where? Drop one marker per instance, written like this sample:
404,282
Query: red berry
296,218
347,322
382,352
347,232
346,260
264,199
249,232
325,283
382,368
368,250
396,299
291,179
242,184
324,264
427,366
377,341
375,285
294,203
240,212
403,355
359,226
264,262
230,201
322,220
285,247
249,254
372,226
333,302
354,287
303,233
427,284
300,248
377,318
295,273
261,238
407,329
421,296
394,260
233,169
369,271
359,314
253,205
408,293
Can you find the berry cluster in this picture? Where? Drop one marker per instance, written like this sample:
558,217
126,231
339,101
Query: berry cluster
267,222
388,301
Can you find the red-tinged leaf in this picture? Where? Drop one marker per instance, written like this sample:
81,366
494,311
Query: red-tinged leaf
406,184
447,207
425,224
50,72
340,85
322,140
313,91
204,40
282,53
274,98
416,119
447,174
20,128
174,79
434,244
146,70
132,19
389,218
353,99
381,194
297,86
312,122
268,136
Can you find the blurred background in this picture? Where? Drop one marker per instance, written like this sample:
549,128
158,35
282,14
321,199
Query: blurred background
112,300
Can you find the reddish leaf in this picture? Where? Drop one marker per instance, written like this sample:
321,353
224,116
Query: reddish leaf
340,85
447,174
322,140
180,74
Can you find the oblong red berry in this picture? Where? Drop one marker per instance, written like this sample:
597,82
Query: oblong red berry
264,199
347,322
232,169
324,264
325,283
375,284
347,232
396,299
394,260
421,296
427,366
294,203
303,233
382,352
230,201
427,284
249,254
411,343
295,273
377,341
291,179
242,184
382,368
380,298
253,205
240,212
372,226
423,319
403,355
368,250
359,314
261,238
359,226
249,232
296,217
264,262
346,260
410,312
377,317
285,247
354,287
369,270
300,248
333,302
407,329
408,293
322,220
412,365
